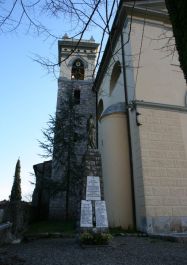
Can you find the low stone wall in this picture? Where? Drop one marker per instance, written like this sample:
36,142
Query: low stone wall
5,233
41,194
19,214
1,215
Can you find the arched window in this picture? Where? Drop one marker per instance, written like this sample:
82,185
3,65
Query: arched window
77,71
115,75
100,108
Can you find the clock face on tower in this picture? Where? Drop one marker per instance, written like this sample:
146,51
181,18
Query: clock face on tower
78,63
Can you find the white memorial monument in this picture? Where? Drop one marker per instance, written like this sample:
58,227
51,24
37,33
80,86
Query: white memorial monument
93,209
101,215
86,214
93,192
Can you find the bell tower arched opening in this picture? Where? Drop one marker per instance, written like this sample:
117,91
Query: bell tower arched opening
77,71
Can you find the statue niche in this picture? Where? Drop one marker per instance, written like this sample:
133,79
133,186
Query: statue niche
77,71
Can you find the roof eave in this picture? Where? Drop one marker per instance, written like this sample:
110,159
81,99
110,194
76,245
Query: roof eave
124,10
119,20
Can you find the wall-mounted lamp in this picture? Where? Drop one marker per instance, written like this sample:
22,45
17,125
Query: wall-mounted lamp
137,119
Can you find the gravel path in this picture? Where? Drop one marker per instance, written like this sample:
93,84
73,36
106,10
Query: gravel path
123,250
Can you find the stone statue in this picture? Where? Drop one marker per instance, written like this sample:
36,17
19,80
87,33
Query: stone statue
91,132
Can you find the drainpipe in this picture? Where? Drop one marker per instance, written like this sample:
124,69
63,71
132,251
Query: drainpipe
128,127
96,98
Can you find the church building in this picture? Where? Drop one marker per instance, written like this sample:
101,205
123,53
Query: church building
142,121
139,100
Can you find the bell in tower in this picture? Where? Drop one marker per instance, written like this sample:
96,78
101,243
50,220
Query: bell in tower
77,72
77,58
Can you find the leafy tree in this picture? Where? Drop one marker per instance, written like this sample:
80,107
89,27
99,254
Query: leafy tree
16,188
178,15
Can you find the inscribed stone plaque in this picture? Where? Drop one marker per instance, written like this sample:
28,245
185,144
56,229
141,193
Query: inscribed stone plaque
101,215
93,192
86,214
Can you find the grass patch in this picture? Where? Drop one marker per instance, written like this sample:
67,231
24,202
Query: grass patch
119,230
66,227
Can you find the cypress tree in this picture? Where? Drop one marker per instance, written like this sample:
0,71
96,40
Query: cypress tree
16,187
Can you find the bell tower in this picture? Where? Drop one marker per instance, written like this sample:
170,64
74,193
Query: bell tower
77,58
76,100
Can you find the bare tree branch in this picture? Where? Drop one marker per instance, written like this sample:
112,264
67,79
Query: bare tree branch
84,14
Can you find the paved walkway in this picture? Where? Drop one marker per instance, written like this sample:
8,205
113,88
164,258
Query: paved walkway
123,250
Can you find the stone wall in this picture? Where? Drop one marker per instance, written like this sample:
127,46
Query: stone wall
86,52
5,227
86,107
82,110
20,214
5,233
164,163
41,194
92,166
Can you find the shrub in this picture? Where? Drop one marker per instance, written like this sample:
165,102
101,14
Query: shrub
91,238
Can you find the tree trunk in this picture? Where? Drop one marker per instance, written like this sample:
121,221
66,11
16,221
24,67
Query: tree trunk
177,10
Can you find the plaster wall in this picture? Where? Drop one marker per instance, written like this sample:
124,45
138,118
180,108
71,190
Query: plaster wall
159,146
157,74
163,138
139,196
116,170
117,94
109,100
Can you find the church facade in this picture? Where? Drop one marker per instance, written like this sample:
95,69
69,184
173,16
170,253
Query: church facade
142,122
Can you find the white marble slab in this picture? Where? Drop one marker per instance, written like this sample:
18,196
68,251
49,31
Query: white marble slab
93,192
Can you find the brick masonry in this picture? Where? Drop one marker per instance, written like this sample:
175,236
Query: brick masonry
164,165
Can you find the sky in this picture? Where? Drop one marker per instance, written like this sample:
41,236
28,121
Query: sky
27,97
